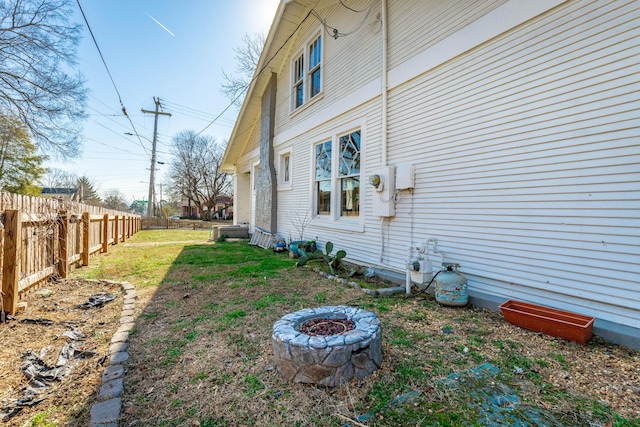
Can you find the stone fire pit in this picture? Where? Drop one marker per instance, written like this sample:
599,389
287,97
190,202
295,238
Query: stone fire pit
329,360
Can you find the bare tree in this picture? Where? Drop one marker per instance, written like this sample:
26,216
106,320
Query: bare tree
37,48
58,178
87,193
114,199
195,171
234,87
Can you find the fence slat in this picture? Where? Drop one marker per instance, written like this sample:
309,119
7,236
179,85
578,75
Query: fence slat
63,261
105,233
86,228
116,232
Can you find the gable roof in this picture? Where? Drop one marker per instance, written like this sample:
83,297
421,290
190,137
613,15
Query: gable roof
288,18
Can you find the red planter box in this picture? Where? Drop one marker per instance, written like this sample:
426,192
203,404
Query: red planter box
557,323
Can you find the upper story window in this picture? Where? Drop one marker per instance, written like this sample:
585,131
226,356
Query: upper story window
306,73
298,81
315,59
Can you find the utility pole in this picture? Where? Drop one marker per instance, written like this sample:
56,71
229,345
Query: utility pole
157,113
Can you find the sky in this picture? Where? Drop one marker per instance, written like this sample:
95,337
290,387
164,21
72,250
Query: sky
172,50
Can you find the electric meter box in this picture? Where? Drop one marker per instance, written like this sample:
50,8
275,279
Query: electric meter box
405,176
383,184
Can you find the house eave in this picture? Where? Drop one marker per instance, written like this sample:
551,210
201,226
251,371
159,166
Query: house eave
287,19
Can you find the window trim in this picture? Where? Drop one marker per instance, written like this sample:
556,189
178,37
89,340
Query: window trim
303,54
255,166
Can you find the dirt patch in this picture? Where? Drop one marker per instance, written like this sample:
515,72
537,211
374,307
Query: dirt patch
55,316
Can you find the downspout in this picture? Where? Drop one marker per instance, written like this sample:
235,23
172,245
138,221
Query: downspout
383,106
385,82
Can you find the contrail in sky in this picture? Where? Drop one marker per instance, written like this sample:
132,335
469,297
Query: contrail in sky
163,27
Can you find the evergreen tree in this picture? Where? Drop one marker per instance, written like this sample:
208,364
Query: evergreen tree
89,195
20,165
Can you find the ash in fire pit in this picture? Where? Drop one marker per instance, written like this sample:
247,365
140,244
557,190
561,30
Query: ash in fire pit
327,345
325,327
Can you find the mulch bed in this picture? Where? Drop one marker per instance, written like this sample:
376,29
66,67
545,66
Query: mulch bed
58,317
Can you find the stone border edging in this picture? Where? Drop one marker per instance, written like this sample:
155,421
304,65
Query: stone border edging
105,412
385,292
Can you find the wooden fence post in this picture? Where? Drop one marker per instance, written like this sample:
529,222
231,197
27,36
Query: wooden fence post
86,226
124,228
105,233
63,262
2,313
116,232
11,260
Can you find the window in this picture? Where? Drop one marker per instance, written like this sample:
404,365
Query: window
307,79
314,67
298,81
349,174
345,179
284,169
323,178
254,176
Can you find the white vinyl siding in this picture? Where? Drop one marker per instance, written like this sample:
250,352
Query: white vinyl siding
416,26
527,158
525,146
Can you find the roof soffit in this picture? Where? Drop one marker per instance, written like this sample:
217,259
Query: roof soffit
278,47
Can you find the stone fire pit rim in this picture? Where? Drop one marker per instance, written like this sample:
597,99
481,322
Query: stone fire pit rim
367,327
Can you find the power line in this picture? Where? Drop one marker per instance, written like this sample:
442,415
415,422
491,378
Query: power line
194,113
95,42
351,9
124,110
264,67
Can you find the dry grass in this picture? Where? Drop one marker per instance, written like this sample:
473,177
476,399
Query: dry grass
200,354
67,401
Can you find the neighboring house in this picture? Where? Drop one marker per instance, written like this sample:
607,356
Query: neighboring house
508,130
223,207
62,193
189,209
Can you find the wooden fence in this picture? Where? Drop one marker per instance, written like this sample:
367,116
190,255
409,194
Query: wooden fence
42,238
189,224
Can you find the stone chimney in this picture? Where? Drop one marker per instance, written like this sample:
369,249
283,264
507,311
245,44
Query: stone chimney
266,194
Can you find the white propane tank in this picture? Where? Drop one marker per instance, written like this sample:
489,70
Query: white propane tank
451,286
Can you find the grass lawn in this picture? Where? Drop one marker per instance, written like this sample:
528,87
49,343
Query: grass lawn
200,354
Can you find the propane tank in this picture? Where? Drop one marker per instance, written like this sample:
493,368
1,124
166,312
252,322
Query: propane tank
451,286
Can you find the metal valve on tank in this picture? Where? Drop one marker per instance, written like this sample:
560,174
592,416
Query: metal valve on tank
451,286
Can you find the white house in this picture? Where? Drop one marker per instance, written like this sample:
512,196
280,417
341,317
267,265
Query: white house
508,130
